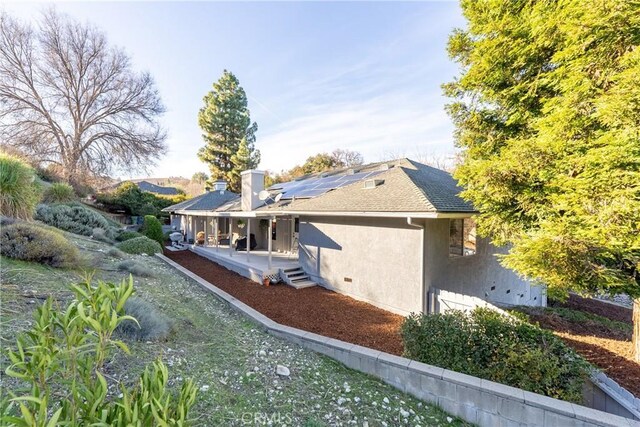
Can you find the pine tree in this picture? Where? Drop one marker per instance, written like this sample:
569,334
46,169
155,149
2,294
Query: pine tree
225,123
243,159
547,114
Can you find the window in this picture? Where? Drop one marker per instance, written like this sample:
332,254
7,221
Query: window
296,225
462,237
273,230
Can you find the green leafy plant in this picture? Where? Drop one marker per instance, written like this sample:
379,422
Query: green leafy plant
140,245
59,192
126,235
61,361
150,324
153,229
19,192
499,348
30,242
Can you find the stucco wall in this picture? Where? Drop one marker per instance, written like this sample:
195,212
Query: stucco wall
381,256
478,275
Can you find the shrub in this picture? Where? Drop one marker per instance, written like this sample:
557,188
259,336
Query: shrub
153,229
140,245
74,218
100,235
59,192
5,220
151,325
135,268
499,348
19,192
29,242
116,253
66,350
126,235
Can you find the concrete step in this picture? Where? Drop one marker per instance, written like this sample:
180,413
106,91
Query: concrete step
303,284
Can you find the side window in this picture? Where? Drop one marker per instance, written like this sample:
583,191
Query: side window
296,225
462,237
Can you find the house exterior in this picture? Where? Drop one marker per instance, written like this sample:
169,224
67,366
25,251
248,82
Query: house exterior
394,234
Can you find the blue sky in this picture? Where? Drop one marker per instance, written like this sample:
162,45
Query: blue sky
319,76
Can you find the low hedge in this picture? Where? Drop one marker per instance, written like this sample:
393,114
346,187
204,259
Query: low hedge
152,229
127,235
29,242
499,348
140,245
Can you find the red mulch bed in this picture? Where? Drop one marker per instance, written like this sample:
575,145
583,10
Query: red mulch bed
313,309
601,308
609,349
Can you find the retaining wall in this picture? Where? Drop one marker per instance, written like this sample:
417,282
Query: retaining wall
475,400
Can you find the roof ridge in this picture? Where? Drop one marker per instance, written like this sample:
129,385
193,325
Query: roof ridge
417,189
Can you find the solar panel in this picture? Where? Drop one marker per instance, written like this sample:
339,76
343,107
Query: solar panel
312,187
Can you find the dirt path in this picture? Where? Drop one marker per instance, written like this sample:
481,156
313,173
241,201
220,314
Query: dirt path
312,309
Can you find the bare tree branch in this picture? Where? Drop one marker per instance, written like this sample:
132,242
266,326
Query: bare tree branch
67,97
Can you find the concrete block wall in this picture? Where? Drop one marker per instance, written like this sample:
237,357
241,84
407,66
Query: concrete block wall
475,400
605,394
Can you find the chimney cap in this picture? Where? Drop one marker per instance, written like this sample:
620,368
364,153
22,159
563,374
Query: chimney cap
253,171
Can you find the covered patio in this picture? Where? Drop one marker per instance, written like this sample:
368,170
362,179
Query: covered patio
254,264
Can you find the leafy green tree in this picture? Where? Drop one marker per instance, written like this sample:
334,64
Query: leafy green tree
199,177
547,114
225,123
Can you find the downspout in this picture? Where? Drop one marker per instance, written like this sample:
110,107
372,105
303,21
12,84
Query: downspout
425,300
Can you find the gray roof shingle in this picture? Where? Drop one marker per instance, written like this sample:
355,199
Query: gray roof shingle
408,186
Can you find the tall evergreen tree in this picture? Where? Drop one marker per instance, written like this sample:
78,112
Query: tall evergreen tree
243,159
225,123
547,114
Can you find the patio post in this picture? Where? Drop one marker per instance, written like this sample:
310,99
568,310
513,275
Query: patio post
215,234
248,239
269,244
231,236
206,234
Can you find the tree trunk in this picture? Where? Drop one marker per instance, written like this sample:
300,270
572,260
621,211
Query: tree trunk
636,329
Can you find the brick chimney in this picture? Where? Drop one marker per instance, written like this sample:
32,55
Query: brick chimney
252,184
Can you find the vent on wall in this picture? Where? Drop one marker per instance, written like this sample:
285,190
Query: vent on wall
373,183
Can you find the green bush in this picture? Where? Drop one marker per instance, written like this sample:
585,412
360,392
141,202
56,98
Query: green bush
61,362
153,229
140,245
129,198
135,268
126,235
75,218
29,242
19,191
59,192
499,348
150,326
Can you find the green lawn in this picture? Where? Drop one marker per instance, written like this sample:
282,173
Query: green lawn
232,361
